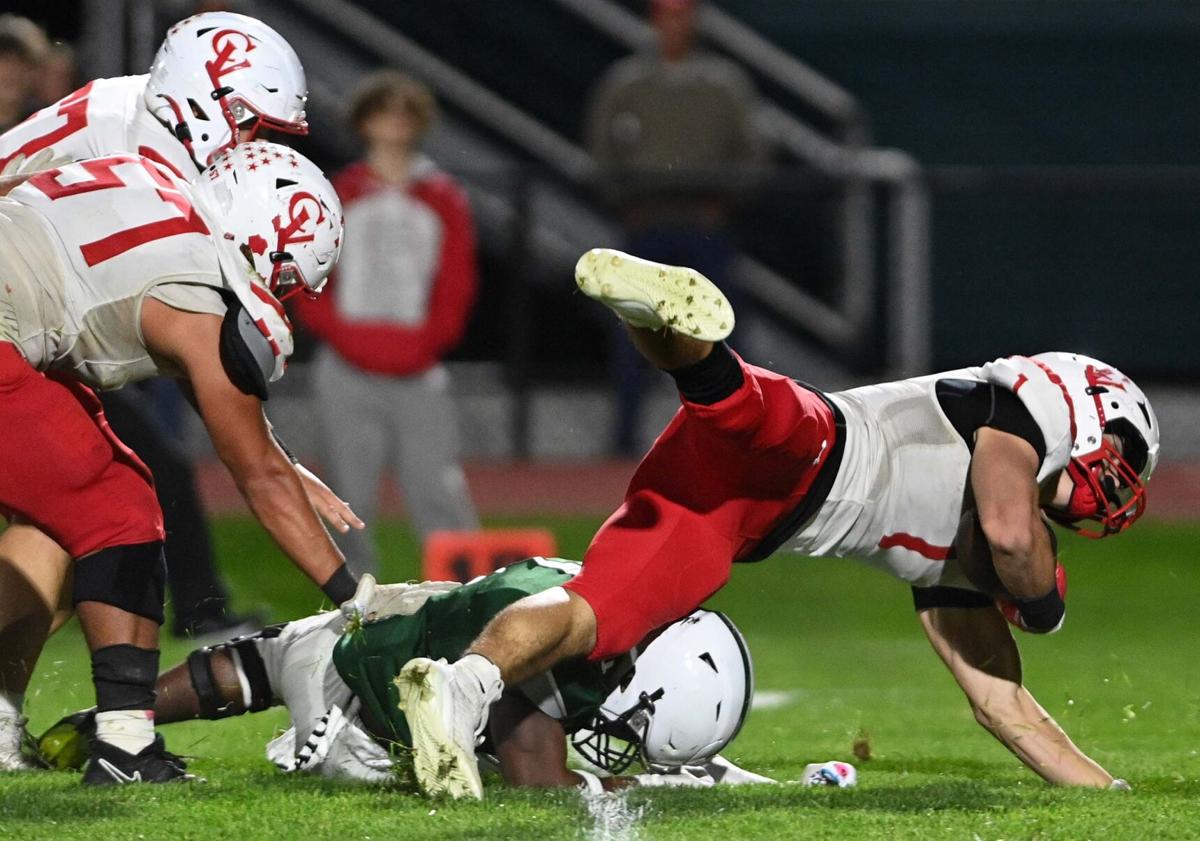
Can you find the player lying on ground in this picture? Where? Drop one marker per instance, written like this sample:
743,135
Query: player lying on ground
116,270
754,462
673,702
217,80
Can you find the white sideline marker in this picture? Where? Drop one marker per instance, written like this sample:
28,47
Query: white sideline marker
773,699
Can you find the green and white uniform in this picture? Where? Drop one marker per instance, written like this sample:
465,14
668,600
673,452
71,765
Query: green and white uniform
332,680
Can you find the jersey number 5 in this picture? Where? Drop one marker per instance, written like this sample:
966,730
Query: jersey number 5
104,177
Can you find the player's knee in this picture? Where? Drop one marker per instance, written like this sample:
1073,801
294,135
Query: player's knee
130,577
230,679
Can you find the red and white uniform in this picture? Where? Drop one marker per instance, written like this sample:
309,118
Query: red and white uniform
722,477
80,248
897,499
103,117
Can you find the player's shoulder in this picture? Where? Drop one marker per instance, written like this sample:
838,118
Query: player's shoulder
1044,394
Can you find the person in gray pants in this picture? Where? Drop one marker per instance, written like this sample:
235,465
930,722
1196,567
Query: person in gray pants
398,303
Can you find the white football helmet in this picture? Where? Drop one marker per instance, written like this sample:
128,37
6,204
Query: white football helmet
1110,482
277,222
684,700
219,77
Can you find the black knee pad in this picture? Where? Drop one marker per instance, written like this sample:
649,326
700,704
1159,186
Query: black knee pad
252,674
127,577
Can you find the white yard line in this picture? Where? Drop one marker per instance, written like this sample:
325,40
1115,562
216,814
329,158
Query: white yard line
773,699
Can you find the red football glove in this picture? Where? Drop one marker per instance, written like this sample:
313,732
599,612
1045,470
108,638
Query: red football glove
1042,607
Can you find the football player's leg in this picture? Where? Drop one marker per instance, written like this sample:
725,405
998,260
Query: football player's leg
34,572
655,560
92,496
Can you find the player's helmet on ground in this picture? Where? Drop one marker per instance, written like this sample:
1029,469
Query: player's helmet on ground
219,78
277,222
1109,481
684,700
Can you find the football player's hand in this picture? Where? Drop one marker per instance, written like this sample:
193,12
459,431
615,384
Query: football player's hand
19,164
1013,609
724,772
332,508
687,776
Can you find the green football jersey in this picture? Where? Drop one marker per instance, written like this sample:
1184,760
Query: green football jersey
369,657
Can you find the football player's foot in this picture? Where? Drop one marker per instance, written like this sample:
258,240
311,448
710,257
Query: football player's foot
16,745
446,707
109,765
654,295
66,746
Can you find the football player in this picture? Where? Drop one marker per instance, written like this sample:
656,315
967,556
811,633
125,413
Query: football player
116,269
217,80
671,703
755,462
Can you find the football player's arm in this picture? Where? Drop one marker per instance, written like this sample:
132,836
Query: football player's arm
978,648
532,746
1004,470
11,182
242,438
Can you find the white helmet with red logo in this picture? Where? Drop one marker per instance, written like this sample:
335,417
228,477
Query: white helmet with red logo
219,77
277,222
1109,481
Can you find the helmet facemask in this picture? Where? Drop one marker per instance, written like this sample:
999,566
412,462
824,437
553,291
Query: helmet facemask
613,744
1107,485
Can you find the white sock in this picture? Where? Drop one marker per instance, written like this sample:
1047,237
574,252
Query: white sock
484,684
129,730
484,671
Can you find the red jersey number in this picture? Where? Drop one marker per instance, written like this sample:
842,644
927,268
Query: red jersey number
104,177
74,108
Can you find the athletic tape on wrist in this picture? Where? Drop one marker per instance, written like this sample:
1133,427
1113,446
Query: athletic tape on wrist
1044,613
341,586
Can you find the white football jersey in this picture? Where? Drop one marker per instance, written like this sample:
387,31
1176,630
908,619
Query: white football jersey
81,246
897,498
104,117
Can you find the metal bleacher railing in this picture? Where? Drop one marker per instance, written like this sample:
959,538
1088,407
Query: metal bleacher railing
841,326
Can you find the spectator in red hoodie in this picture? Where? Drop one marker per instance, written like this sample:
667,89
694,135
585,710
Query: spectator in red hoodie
398,303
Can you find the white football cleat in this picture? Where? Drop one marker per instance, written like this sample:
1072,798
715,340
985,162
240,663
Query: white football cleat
654,295
13,738
446,709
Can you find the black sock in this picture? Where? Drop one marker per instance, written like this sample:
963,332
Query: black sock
124,676
712,379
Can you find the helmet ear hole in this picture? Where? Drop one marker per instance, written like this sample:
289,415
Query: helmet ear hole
197,111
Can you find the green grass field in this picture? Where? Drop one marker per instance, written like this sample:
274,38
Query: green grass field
840,640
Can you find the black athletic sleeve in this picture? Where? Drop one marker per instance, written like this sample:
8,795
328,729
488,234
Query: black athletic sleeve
971,405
